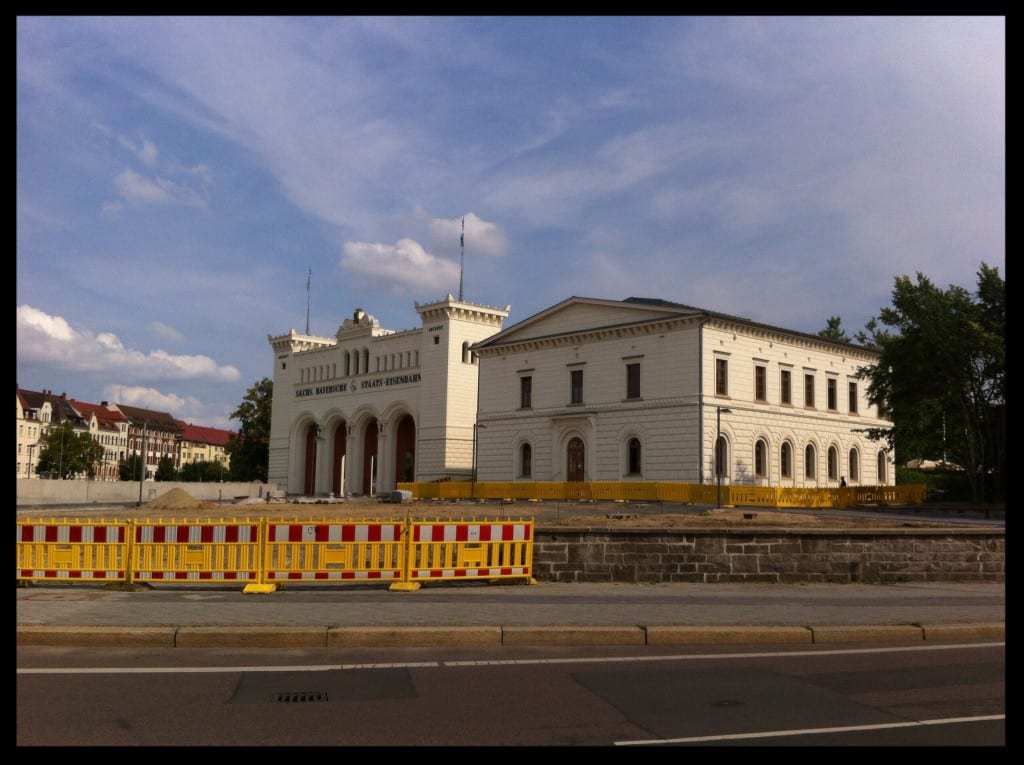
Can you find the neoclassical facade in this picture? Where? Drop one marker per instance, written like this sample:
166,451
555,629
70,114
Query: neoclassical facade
356,413
649,390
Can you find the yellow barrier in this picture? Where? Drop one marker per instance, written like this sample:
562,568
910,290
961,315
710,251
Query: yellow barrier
332,551
264,554
666,491
493,550
69,550
205,551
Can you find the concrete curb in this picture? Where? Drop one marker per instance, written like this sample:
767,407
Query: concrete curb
427,637
728,635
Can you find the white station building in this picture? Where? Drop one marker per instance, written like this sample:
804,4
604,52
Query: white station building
587,390
645,389
356,413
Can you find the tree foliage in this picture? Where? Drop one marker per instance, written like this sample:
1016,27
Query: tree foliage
206,471
129,468
833,330
250,448
67,453
941,375
165,470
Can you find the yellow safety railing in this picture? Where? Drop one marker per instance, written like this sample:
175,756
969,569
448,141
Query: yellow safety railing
201,551
492,550
72,550
334,551
662,491
264,554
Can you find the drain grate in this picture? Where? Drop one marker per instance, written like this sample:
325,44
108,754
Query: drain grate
299,697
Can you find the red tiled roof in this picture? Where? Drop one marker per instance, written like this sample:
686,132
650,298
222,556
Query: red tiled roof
203,435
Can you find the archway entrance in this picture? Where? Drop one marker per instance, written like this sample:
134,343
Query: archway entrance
370,468
309,468
338,466
575,459
405,451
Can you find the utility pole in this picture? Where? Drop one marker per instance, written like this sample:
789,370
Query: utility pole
142,464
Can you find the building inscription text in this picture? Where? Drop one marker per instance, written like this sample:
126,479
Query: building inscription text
380,382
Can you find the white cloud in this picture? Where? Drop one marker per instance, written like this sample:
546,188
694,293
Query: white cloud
404,267
138,190
146,152
51,340
161,330
481,237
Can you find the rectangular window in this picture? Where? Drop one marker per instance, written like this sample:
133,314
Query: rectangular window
721,377
526,392
760,383
809,391
576,386
786,387
853,400
632,381
831,394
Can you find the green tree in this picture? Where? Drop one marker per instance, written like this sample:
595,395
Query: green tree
250,448
129,469
206,471
165,470
941,375
833,330
66,453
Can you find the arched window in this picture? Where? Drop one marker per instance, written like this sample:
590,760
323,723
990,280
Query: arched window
810,469
633,456
882,478
854,465
786,460
525,461
761,458
721,458
833,463
465,353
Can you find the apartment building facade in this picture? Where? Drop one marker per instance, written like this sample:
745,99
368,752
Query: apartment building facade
123,431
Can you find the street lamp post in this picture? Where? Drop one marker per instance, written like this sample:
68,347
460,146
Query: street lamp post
718,457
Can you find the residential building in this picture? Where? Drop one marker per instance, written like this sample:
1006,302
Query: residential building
156,435
37,412
202,444
108,427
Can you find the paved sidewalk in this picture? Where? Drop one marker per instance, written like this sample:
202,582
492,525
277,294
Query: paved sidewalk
479,614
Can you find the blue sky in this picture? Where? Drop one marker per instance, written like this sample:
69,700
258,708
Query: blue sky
179,177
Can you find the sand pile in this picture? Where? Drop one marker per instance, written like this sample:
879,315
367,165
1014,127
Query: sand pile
176,499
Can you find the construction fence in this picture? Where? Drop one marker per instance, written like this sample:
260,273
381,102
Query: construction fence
264,554
654,491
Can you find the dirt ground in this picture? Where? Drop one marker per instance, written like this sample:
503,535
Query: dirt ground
179,505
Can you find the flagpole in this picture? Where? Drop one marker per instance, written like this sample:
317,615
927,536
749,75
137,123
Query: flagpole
309,276
462,250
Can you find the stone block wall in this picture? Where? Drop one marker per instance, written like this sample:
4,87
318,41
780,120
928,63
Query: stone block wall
651,556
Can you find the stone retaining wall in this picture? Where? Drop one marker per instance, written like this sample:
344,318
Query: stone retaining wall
650,556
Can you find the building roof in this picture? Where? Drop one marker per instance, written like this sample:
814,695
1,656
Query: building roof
106,418
203,435
61,410
151,419
644,310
